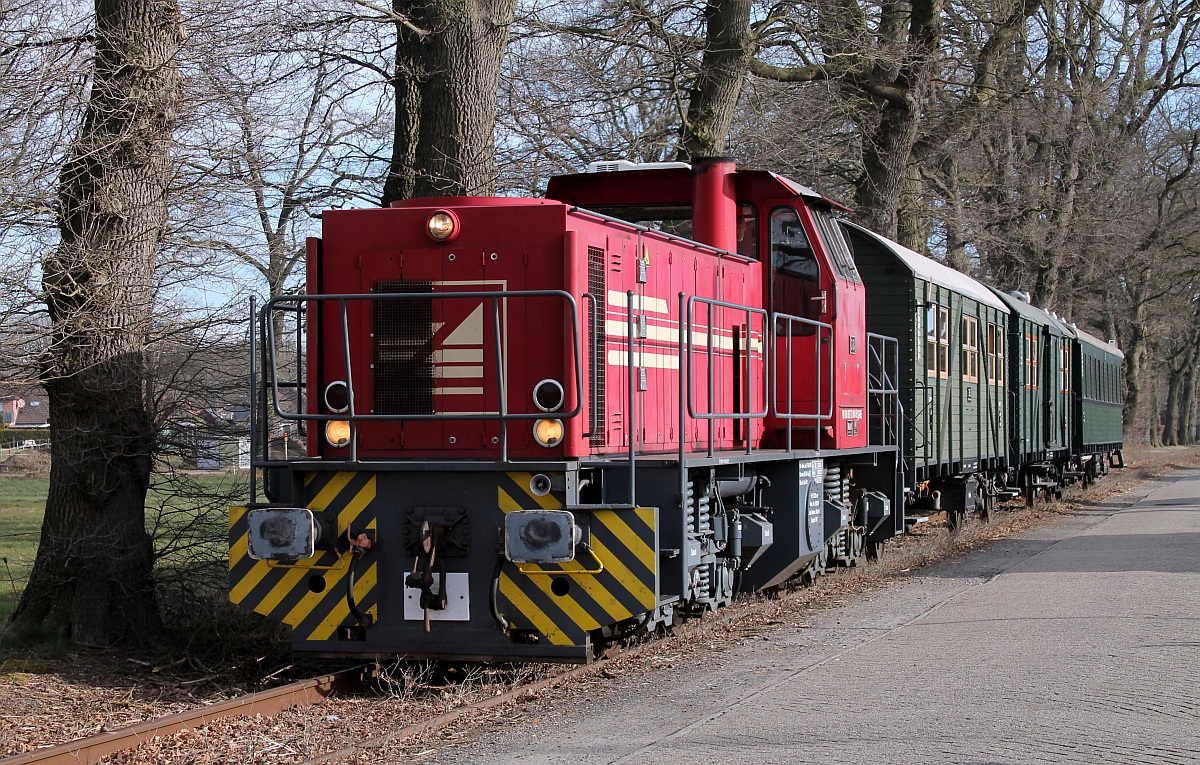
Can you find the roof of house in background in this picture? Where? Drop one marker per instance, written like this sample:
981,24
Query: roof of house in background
24,405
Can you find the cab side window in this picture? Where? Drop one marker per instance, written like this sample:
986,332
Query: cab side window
747,245
790,250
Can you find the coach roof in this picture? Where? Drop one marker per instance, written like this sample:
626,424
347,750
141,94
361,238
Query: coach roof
932,271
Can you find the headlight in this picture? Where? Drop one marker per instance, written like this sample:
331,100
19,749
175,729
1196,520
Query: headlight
281,533
548,432
337,432
442,226
540,536
337,396
548,395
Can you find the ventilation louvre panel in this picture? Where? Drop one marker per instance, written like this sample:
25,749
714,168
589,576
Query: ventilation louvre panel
597,285
403,350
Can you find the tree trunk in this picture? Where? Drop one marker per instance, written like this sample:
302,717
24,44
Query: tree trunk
91,581
1187,404
729,48
447,73
955,218
1135,354
1170,427
401,181
886,153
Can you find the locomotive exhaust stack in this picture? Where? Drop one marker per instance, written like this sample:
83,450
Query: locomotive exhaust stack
714,203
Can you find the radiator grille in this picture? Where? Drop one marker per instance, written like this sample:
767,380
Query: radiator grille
597,272
403,350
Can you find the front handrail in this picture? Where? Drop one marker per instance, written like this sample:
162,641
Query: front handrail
299,303
593,366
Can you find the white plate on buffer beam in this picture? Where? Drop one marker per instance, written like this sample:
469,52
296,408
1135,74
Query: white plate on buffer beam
458,601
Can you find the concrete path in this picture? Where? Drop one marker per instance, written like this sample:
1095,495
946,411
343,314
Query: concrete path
1078,642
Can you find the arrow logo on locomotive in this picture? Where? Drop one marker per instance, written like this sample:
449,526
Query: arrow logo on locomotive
458,355
441,345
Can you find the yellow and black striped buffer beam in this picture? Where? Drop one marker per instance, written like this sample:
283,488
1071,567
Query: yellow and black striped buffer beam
310,595
617,580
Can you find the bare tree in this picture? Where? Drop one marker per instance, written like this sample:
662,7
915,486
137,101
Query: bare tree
1095,79
91,580
446,74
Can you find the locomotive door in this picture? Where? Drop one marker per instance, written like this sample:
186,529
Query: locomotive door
802,289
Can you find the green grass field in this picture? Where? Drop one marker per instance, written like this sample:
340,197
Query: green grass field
22,502
195,500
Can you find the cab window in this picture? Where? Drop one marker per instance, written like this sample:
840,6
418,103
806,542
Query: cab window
747,243
796,281
790,250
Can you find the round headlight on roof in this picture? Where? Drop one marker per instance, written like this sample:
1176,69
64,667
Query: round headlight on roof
442,226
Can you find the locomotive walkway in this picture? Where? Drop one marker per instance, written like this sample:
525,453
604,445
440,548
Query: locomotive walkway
1076,642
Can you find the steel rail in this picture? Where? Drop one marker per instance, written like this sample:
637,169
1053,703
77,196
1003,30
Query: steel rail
443,720
89,750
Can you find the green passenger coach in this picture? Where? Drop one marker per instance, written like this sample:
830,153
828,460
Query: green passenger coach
951,331
1099,432
1041,394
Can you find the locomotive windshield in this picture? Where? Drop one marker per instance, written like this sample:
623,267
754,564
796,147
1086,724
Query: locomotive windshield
670,219
836,245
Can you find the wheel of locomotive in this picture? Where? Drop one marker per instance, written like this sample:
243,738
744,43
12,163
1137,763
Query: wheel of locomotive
808,576
874,550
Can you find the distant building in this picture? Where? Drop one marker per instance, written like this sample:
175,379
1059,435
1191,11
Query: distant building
24,407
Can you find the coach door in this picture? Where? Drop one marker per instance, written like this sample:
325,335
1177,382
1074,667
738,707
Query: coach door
802,294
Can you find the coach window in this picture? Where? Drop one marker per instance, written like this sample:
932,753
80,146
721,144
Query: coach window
970,349
1031,361
995,354
1064,369
937,341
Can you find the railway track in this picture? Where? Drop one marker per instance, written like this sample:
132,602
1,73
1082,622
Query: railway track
89,750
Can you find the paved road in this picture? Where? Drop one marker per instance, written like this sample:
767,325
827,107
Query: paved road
1078,642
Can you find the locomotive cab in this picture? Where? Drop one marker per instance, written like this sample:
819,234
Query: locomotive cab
818,384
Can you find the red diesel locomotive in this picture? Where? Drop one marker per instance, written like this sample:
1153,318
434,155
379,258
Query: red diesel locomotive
537,425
